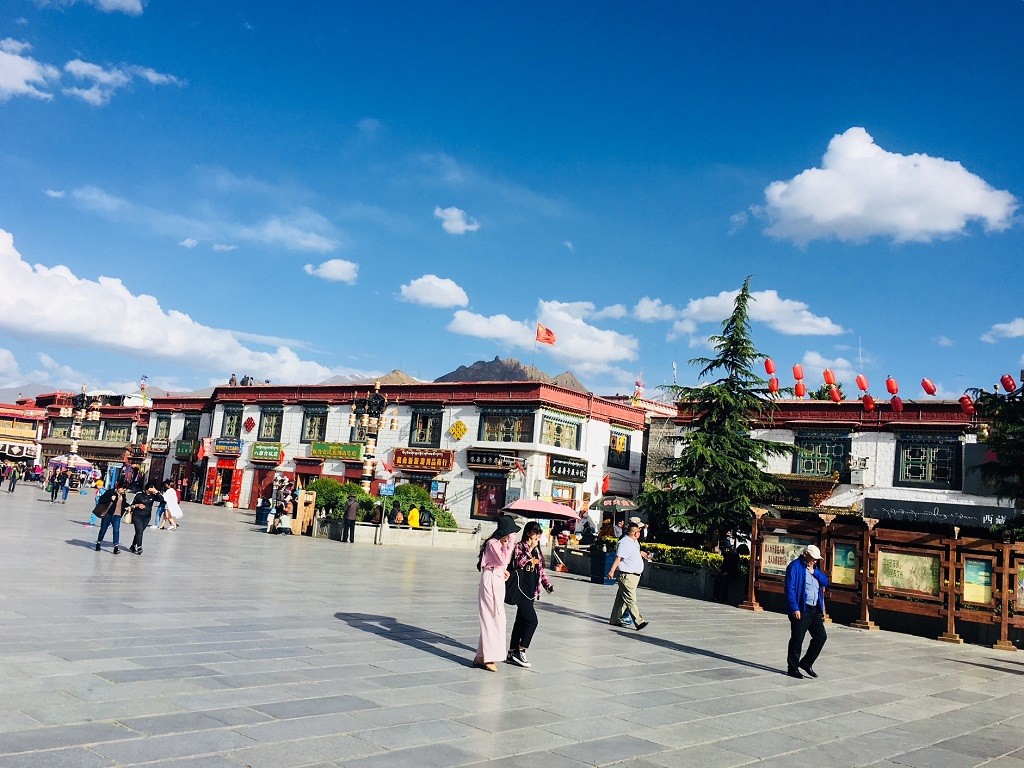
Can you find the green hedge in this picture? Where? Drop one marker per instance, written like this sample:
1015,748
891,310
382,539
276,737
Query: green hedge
662,553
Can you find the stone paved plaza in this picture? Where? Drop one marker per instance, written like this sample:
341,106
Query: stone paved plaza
221,646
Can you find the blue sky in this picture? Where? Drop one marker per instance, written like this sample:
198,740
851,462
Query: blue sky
191,189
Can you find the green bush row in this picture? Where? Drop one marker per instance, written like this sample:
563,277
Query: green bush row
662,553
332,496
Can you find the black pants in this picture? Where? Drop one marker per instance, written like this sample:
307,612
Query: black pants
810,621
140,522
348,531
524,626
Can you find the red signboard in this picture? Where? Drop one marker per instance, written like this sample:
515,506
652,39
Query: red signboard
424,459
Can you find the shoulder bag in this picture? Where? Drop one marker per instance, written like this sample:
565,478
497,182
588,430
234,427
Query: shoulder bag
522,583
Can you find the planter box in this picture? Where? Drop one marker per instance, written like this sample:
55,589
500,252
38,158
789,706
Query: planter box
679,580
576,559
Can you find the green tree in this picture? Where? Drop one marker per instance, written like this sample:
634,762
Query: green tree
718,475
822,392
1004,414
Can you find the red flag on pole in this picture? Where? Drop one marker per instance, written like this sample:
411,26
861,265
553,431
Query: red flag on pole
545,335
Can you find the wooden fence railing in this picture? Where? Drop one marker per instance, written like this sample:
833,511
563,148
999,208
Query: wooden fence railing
958,579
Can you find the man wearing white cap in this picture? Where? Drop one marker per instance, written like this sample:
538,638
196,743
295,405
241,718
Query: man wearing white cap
805,598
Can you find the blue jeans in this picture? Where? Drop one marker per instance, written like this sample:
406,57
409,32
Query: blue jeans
110,521
64,493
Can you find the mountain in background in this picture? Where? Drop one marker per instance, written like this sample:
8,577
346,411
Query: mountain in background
13,394
510,370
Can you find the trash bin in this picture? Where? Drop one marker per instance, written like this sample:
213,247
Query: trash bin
261,515
600,562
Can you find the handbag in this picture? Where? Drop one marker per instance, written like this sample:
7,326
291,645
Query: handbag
126,518
521,583
101,509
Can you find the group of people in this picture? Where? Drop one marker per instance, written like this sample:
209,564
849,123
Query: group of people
112,506
514,574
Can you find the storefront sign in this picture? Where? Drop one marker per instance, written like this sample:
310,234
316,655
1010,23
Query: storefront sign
908,573
483,459
777,552
16,450
977,516
266,452
844,564
978,581
343,451
184,449
424,459
560,468
228,446
159,445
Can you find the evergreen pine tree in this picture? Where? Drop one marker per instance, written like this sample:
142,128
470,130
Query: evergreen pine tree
719,473
1004,414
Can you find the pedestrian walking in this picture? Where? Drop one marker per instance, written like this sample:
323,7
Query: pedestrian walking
348,522
12,479
109,508
492,564
170,506
65,486
805,596
526,577
629,562
142,512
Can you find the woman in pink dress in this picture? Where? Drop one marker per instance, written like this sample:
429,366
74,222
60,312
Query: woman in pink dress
494,557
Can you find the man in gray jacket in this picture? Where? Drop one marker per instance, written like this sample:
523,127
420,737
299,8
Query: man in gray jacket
348,525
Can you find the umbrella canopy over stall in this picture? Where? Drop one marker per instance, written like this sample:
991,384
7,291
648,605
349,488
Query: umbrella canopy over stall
617,508
536,508
76,462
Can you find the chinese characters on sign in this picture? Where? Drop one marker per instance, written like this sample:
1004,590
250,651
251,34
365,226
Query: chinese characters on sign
343,451
424,459
228,446
560,468
489,459
266,452
777,552
903,572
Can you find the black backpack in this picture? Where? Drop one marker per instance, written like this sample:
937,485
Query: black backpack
426,519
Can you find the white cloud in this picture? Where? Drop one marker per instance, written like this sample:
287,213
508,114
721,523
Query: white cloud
22,75
650,310
370,126
785,316
1011,330
106,81
301,230
455,221
580,346
223,248
56,194
567,244
335,271
944,341
815,364
132,324
189,242
612,312
434,291
738,221
129,7
862,191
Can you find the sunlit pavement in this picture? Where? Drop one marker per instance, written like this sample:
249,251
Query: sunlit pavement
223,646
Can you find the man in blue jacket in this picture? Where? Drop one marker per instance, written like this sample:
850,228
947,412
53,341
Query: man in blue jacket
805,597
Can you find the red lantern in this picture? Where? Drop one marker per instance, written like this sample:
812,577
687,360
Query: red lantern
927,386
800,390
773,385
862,382
769,366
835,395
869,403
830,378
798,372
891,386
966,404
897,404
1008,383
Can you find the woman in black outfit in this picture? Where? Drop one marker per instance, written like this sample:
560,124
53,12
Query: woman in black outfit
526,578
142,513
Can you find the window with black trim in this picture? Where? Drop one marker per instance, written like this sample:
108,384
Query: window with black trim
60,428
270,424
425,431
141,435
822,454
90,431
232,424
928,460
191,429
163,428
618,451
117,431
560,433
314,424
507,426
